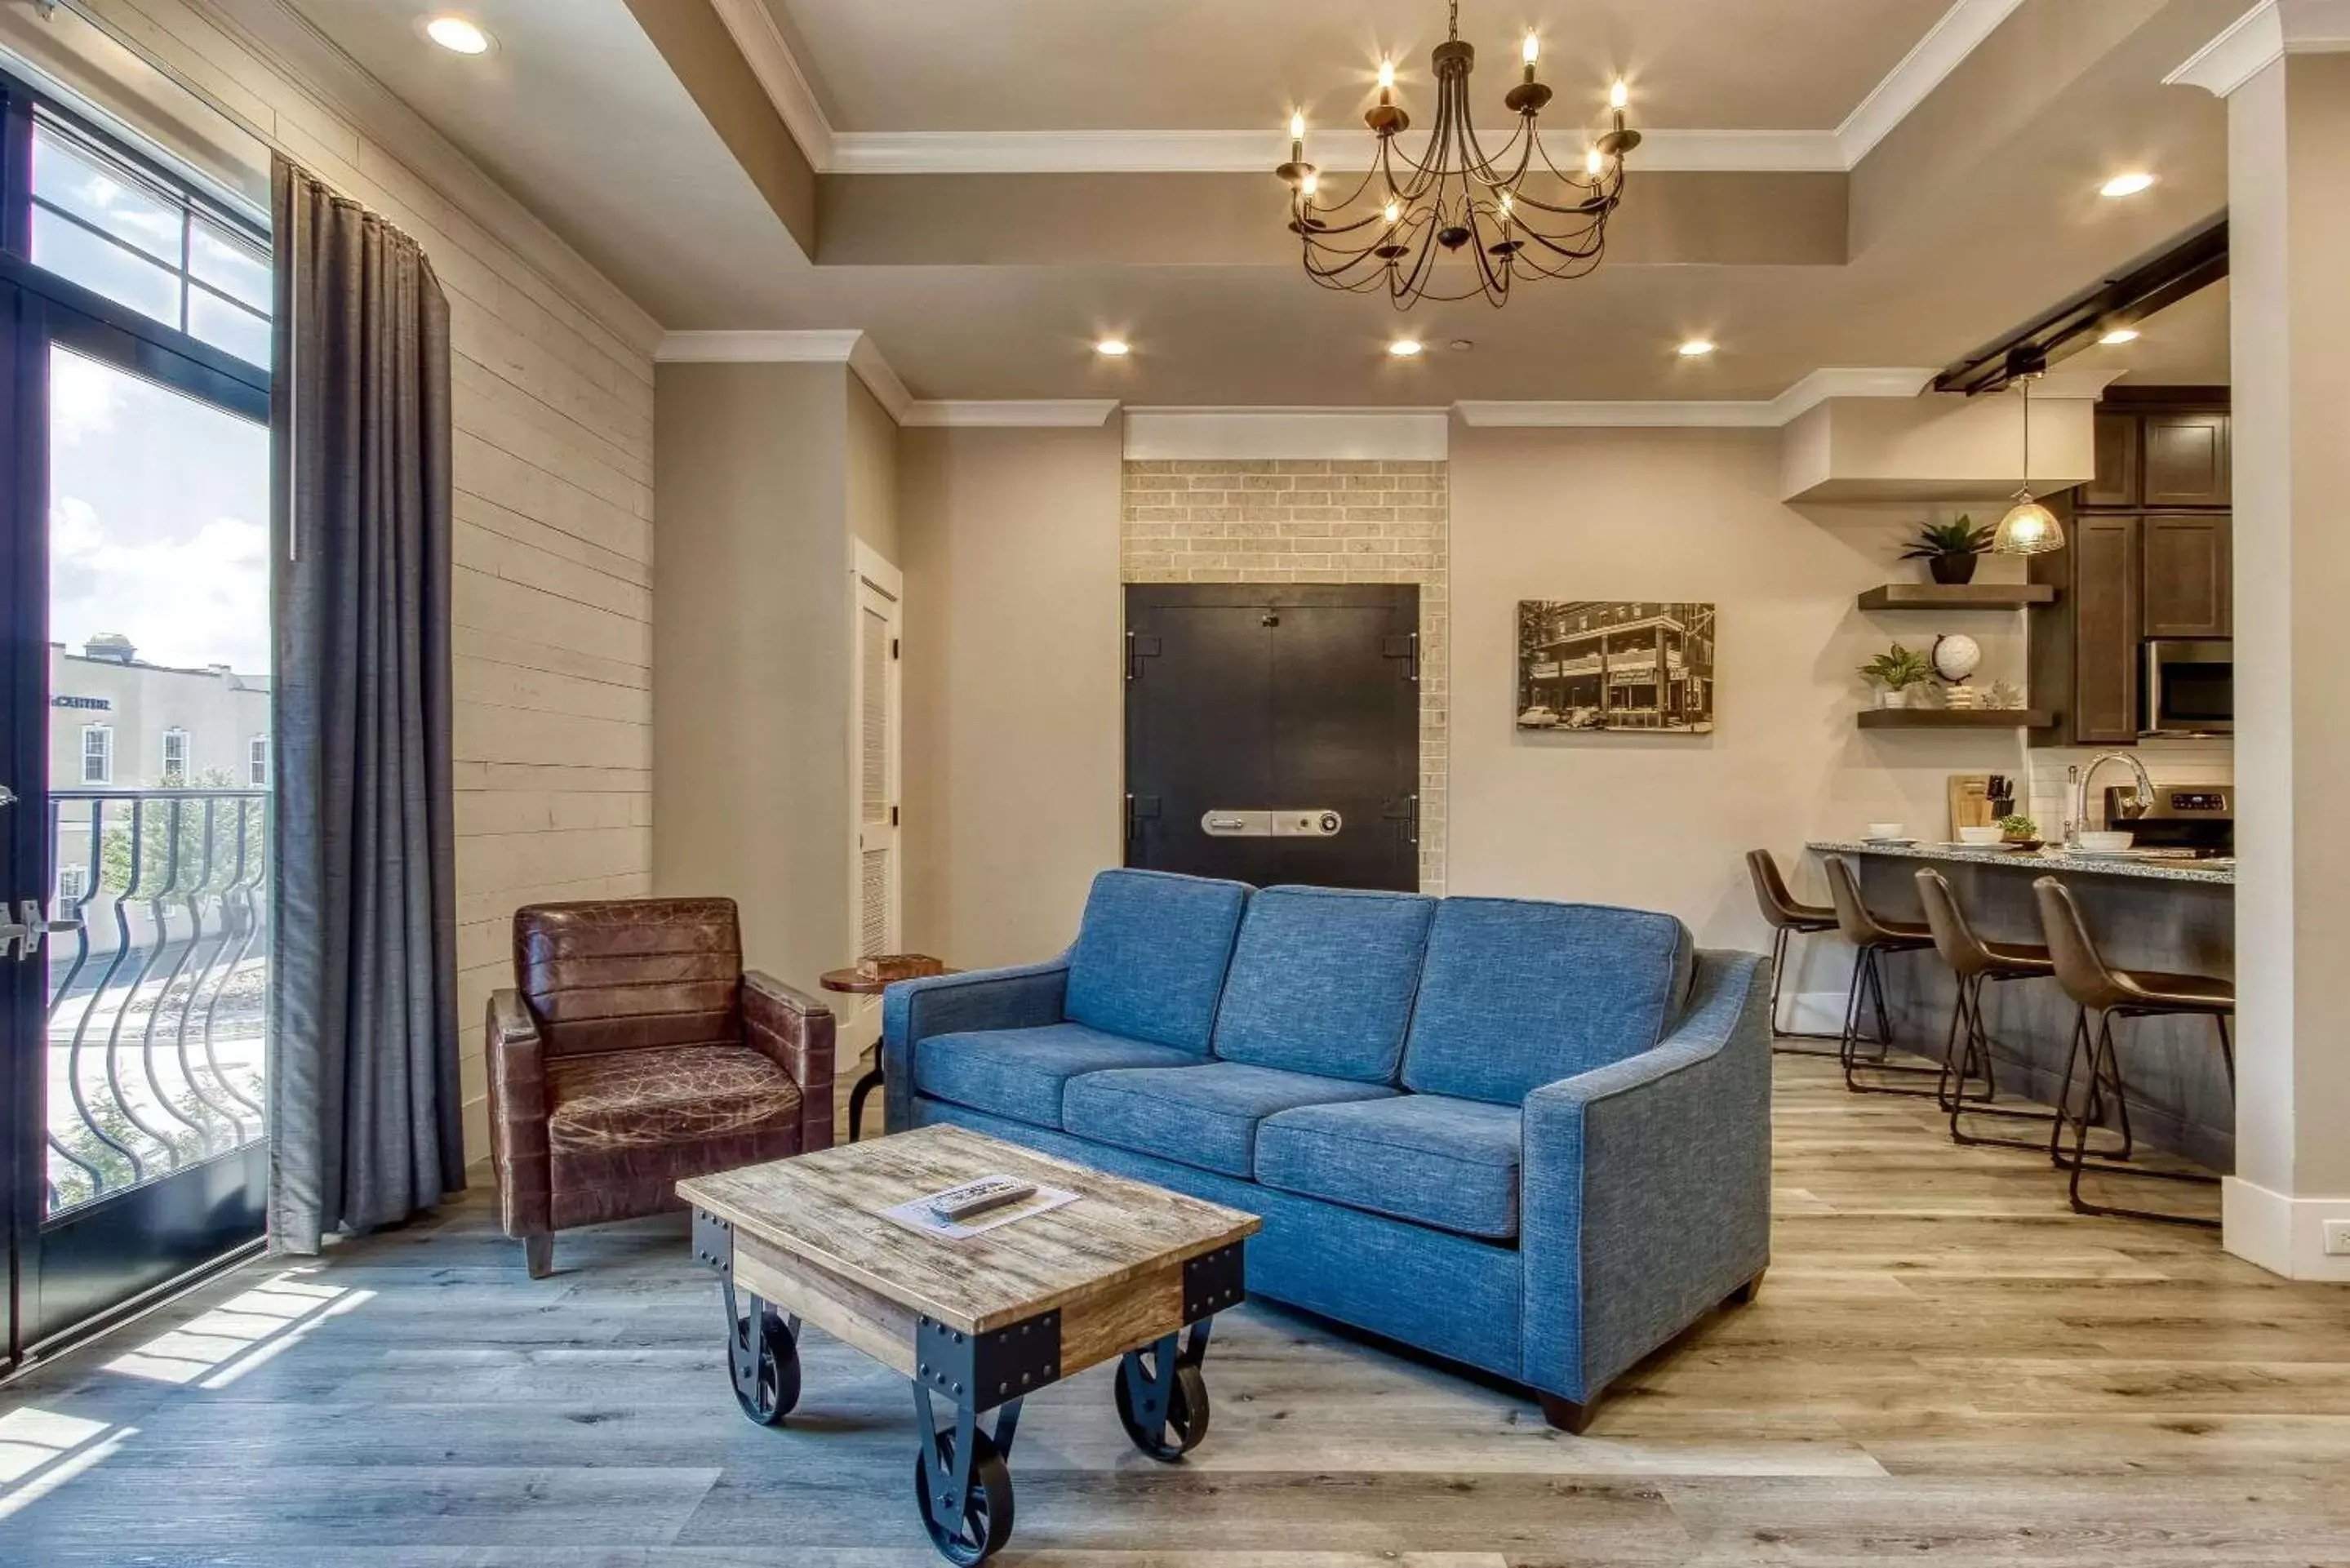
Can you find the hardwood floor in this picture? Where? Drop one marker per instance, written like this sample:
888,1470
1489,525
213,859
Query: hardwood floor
1944,1363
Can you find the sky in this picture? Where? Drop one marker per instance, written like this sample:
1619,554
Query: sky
159,514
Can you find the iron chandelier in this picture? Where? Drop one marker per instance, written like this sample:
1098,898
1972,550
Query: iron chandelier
1512,214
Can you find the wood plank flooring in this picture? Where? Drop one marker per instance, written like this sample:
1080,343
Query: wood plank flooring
1944,1363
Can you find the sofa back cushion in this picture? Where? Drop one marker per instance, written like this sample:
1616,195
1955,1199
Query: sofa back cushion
1321,981
1150,955
1516,994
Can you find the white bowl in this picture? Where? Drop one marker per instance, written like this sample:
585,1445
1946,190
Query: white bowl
1884,830
2106,843
1981,836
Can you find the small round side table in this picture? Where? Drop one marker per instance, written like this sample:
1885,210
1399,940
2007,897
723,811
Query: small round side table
871,977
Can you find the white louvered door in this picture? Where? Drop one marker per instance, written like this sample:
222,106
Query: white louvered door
875,875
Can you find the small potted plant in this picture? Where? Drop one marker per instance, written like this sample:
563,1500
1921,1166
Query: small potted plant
1895,670
2019,832
1950,549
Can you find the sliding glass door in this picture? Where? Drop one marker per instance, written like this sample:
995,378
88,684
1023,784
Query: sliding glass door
134,727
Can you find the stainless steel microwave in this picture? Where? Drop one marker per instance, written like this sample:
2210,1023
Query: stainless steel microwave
2189,688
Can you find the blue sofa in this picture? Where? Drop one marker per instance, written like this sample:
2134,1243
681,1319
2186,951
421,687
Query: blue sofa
1530,1138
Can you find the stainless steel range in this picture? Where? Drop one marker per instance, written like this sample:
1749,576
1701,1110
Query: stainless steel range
2190,819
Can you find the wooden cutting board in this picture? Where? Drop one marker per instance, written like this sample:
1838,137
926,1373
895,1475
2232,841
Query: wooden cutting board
1970,801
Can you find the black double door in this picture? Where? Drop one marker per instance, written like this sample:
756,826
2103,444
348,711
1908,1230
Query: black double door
1273,733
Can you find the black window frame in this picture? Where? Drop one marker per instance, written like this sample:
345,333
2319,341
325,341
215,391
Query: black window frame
235,383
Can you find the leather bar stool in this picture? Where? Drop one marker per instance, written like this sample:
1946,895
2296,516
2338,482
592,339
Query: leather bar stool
1789,920
1966,1054
1874,937
2110,994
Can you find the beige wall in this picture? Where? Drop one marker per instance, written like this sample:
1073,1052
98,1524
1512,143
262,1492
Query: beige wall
1310,519
1661,821
554,420
751,722
872,471
1013,697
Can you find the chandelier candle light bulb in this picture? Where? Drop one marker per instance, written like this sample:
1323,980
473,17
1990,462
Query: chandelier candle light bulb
1448,219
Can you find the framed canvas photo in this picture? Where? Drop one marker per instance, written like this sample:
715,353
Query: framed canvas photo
1604,664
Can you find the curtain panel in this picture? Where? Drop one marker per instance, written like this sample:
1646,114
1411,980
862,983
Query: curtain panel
365,1106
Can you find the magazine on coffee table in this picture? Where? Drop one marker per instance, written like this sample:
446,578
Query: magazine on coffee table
918,1213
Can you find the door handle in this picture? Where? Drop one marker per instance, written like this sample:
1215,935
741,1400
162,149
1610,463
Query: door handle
28,933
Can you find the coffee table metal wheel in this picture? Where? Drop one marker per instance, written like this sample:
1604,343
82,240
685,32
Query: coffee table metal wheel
986,1521
1162,1398
762,1358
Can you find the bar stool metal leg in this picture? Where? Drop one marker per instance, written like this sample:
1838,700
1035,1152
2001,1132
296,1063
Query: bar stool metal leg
1868,990
1782,944
2106,1064
1973,1060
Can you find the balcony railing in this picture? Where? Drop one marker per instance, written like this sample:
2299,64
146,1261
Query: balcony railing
157,1002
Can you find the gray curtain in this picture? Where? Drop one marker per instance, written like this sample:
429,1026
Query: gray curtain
364,1101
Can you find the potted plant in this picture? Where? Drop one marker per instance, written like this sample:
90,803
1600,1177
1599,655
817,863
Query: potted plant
1897,670
1950,549
2019,832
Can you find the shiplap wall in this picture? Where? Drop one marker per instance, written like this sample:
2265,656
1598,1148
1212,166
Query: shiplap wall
553,414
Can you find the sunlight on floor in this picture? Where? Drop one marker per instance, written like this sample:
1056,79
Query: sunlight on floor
217,1348
41,1450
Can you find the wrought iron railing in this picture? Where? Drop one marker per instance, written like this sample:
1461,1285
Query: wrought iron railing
157,999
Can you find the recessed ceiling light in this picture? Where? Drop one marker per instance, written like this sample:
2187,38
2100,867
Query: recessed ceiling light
2120,335
457,34
2127,184
1461,344
1405,348
1113,348
1696,348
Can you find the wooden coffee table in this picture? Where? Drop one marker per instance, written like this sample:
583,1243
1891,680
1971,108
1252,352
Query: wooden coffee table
977,1323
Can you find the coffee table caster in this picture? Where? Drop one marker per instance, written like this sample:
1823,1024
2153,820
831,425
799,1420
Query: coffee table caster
762,1358
963,1480
1162,1398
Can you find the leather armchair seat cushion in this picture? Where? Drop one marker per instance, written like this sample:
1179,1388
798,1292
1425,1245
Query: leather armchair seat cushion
1205,1116
643,1099
1431,1158
1021,1072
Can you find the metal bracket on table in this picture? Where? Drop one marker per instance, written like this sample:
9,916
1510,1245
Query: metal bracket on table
713,1243
983,1370
1214,1281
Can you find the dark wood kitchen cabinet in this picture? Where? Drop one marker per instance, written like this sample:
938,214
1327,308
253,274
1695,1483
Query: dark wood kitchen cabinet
2149,555
2186,565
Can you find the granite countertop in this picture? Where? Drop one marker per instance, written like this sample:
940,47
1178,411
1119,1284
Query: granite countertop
2221,873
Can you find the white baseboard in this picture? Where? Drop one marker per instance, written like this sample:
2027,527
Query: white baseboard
2283,1235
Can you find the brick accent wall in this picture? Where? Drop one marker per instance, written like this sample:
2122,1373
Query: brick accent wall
1311,520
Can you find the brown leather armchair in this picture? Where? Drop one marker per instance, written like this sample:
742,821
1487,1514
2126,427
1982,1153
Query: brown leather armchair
637,1051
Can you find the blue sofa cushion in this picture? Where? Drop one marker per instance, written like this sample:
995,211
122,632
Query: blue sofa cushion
1020,1073
1429,1158
1150,955
1205,1116
1516,994
1321,981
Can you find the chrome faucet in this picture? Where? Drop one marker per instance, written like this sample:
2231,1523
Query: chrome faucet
2081,792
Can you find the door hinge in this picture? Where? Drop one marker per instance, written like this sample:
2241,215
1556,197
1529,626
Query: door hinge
1406,647
1139,808
893,647
1139,646
893,816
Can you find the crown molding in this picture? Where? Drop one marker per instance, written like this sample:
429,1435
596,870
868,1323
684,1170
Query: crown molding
1396,435
2261,37
1767,413
846,346
1943,49
1043,413
1946,46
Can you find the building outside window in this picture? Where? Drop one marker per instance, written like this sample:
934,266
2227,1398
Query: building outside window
175,756
256,762
73,884
98,753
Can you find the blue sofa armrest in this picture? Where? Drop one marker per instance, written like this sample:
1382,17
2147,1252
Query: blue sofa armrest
1026,997
1647,1185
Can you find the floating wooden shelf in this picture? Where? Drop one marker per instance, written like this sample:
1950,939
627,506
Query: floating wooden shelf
1958,595
1955,718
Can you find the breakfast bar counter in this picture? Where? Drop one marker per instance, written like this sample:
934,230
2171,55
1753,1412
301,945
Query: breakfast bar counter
2173,915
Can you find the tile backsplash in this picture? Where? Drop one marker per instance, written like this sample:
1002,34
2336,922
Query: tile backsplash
2178,762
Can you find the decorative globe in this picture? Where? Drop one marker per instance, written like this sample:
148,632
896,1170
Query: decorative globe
1956,658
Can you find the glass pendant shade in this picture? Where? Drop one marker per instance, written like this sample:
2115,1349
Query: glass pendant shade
2028,529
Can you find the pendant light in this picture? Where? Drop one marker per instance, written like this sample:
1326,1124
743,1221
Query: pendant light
2029,528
